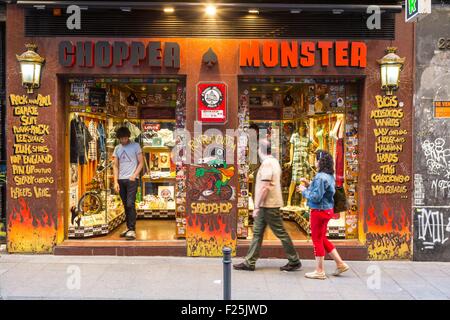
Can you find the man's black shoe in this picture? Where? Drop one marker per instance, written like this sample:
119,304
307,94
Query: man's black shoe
291,267
243,266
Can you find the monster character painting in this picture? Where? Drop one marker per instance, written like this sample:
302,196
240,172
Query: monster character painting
212,181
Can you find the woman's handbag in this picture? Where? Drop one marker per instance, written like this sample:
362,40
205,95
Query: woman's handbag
340,201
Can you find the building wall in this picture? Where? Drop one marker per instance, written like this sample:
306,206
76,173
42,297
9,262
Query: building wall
432,140
384,220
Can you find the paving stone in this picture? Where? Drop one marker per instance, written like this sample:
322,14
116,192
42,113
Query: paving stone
48,277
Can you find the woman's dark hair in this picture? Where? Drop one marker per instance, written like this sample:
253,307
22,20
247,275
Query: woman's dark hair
326,162
123,132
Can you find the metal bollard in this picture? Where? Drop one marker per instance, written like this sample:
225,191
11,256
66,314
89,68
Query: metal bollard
226,273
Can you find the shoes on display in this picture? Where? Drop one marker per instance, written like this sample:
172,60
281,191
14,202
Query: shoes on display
130,235
243,266
291,267
123,234
316,275
341,269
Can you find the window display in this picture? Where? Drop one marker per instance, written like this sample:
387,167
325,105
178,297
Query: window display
312,114
98,107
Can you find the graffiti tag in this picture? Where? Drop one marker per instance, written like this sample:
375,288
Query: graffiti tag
432,228
438,158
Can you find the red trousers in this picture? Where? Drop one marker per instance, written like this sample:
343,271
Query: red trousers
319,222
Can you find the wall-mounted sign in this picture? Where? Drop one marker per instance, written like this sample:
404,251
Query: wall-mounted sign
212,102
441,109
132,112
303,54
118,53
416,8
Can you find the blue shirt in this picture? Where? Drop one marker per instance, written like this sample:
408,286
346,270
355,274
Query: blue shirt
320,193
128,159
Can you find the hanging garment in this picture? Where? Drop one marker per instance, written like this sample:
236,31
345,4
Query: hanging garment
79,140
135,131
339,165
101,141
74,140
92,146
85,138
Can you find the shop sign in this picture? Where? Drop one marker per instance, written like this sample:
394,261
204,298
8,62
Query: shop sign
212,102
391,138
105,54
294,54
132,112
441,109
416,8
31,223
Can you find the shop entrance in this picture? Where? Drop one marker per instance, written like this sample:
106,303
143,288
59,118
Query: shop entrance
302,115
152,109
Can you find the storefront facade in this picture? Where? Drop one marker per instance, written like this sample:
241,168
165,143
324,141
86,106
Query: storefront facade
376,130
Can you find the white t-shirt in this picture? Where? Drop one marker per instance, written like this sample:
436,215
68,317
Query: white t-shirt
269,170
128,159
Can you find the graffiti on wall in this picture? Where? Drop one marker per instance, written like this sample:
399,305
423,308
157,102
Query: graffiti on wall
30,230
388,232
432,233
387,222
437,156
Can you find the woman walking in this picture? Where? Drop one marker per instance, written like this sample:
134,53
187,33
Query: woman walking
320,193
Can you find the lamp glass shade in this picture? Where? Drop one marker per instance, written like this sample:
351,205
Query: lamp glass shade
28,72
390,74
37,75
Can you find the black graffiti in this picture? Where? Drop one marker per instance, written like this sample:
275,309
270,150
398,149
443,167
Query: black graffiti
390,239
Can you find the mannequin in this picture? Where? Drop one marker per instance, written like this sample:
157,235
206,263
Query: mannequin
319,135
299,153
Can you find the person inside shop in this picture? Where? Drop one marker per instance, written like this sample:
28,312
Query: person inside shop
320,199
128,162
268,201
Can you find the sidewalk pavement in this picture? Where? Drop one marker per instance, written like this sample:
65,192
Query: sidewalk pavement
81,277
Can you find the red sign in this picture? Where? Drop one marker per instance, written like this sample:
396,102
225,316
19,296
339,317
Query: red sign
150,126
212,102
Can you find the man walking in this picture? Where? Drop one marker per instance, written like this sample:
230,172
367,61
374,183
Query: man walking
128,163
268,200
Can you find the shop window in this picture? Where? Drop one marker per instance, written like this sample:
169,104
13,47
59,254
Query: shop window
152,109
301,116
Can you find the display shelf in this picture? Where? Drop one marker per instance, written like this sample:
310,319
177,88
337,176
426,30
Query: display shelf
148,149
336,111
296,214
149,213
91,115
159,180
96,230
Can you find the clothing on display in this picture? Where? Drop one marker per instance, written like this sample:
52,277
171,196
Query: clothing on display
92,150
325,113
101,141
337,134
95,206
320,137
79,140
300,161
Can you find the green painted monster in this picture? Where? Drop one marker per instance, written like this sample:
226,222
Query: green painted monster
222,173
